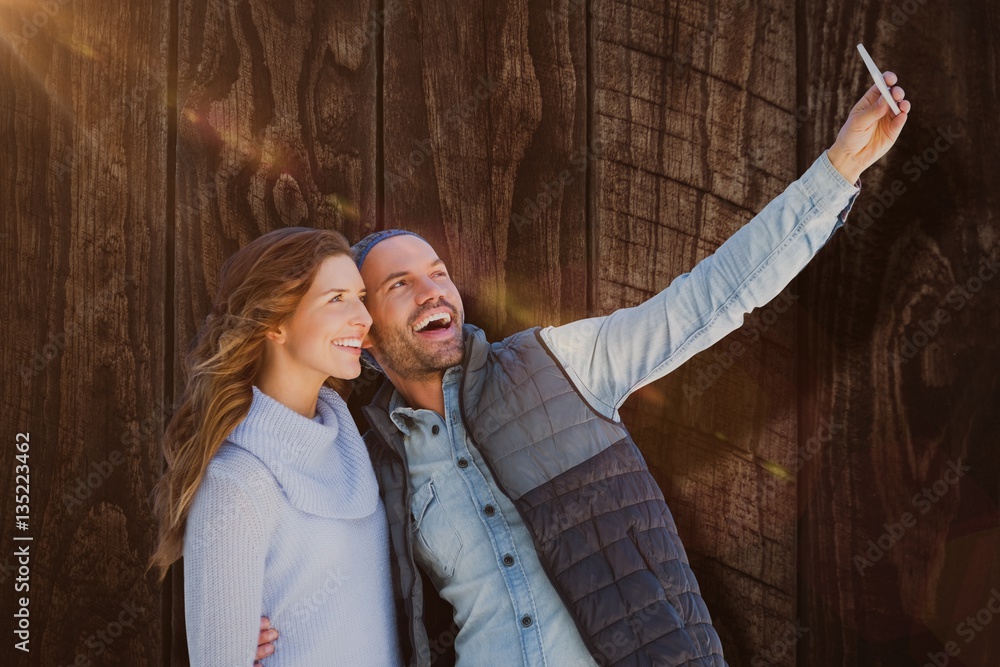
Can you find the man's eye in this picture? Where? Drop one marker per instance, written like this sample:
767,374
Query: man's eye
398,283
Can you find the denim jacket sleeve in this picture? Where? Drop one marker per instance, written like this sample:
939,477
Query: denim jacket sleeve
609,357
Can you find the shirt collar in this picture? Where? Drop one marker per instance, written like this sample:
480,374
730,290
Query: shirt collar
405,417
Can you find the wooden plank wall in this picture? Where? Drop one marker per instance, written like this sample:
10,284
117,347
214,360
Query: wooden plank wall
683,95
900,350
83,177
567,158
484,110
547,211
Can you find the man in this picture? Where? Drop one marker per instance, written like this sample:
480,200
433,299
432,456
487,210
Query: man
507,475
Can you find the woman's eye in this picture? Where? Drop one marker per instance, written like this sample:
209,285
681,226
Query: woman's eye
337,298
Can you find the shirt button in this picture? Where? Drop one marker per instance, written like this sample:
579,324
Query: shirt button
489,511
435,429
463,463
508,560
526,621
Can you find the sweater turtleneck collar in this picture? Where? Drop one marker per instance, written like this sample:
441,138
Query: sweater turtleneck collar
321,464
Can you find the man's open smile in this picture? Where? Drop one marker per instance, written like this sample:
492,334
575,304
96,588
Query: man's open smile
434,324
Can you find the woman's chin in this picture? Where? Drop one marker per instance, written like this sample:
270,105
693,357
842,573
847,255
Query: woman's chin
348,372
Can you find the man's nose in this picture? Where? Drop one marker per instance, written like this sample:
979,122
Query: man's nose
428,290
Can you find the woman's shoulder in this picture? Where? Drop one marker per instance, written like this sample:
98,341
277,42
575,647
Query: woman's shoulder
236,490
233,510
238,469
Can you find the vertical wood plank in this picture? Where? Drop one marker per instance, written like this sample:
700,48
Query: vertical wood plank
84,124
695,105
486,151
486,155
900,347
276,114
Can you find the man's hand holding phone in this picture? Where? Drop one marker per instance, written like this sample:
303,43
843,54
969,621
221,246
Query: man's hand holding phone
870,131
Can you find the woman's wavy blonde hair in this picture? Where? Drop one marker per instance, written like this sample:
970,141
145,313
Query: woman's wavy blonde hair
260,285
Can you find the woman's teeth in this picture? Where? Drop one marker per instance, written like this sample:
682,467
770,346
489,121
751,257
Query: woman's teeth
348,342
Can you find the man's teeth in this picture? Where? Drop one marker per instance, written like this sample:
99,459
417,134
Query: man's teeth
422,324
348,342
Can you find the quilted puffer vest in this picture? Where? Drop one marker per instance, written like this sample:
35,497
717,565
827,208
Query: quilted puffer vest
600,525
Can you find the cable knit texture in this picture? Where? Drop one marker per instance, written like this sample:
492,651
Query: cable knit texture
288,523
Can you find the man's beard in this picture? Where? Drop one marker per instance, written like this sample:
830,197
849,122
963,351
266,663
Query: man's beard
400,351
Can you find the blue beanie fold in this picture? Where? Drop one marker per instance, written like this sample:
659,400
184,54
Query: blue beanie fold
365,245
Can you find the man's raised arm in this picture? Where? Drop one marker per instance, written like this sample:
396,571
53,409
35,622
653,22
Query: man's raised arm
610,357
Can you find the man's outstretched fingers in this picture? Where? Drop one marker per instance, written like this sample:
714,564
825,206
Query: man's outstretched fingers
873,103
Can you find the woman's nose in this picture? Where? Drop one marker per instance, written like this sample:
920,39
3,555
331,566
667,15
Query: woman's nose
362,316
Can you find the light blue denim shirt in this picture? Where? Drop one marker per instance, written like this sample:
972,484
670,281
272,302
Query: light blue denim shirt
469,537
473,544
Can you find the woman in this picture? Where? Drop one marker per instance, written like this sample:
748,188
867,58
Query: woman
269,493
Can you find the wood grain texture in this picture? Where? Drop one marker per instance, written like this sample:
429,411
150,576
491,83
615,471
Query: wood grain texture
276,112
485,152
82,180
275,125
694,105
567,158
897,353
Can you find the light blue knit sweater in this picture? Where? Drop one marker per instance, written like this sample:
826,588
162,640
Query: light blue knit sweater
288,523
